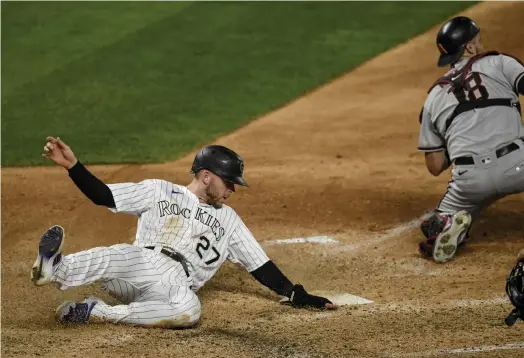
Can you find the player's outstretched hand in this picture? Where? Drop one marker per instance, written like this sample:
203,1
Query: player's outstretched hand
300,298
59,152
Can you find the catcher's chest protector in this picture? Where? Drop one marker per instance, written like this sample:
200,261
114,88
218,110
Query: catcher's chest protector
458,80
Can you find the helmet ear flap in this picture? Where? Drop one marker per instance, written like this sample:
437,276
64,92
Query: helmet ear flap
196,166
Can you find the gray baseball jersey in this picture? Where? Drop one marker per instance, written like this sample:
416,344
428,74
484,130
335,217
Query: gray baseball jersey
490,138
474,132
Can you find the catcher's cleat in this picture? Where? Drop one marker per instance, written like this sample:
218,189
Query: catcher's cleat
431,228
49,255
454,232
75,312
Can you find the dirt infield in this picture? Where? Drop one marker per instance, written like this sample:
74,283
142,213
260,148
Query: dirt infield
341,161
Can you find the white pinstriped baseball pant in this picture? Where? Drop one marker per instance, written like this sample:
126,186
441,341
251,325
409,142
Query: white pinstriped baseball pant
154,289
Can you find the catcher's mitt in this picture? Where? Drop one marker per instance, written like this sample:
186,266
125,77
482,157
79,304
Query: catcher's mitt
515,291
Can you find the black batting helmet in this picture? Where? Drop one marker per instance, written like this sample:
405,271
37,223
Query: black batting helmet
453,37
222,161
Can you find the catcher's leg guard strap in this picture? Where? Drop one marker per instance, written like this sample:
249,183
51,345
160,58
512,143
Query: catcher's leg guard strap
433,226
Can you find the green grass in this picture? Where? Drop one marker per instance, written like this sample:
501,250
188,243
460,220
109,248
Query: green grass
146,82
38,38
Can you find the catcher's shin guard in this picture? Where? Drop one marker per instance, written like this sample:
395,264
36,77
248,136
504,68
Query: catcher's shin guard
431,228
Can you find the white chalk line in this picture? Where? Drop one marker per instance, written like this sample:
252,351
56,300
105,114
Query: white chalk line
414,267
326,240
519,345
366,242
384,236
465,350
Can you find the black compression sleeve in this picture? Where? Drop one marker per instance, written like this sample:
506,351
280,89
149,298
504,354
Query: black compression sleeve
270,276
520,86
91,186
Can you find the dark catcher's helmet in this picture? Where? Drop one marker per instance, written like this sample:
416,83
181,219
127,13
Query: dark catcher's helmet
221,161
453,37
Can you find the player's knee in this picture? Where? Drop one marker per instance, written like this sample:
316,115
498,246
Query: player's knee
194,316
189,318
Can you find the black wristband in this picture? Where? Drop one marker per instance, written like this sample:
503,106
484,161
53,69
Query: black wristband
270,276
91,186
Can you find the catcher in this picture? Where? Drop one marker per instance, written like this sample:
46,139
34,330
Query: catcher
184,235
471,119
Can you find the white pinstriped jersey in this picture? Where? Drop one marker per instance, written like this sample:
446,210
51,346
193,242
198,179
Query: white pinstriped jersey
477,131
170,215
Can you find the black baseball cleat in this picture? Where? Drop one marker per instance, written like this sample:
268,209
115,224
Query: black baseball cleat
75,312
49,255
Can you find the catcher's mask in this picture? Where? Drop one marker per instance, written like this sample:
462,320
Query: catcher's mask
221,161
515,291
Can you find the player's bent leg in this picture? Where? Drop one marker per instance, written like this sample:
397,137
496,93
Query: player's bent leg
51,266
450,224
182,311
102,263
122,290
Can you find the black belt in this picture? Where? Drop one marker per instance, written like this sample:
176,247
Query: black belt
175,256
499,152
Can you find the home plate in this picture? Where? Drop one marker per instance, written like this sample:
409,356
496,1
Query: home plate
343,298
340,299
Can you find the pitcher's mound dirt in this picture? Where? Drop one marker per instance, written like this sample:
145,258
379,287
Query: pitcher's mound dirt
341,161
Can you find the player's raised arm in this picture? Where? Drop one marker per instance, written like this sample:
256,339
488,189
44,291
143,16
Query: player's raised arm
92,187
246,250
